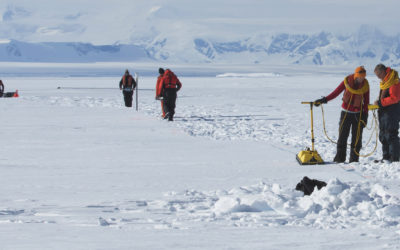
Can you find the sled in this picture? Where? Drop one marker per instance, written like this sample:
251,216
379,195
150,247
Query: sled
10,94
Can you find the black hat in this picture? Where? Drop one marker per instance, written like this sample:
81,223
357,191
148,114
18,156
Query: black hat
161,71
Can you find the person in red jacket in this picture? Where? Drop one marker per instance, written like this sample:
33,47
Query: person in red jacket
127,85
389,112
170,85
159,90
354,111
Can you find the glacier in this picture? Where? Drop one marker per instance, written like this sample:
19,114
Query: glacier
366,46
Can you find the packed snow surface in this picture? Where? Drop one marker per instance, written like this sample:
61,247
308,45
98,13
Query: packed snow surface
81,171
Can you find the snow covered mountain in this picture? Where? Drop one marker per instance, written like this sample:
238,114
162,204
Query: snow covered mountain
367,45
17,51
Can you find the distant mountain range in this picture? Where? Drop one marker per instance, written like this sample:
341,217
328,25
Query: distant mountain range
17,51
367,45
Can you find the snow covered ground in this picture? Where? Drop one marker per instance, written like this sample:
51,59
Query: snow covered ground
80,171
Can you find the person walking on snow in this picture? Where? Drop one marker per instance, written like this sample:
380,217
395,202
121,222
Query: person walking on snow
1,88
127,85
388,112
354,106
159,89
170,85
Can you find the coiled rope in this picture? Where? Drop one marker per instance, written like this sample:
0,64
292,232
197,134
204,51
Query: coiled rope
375,119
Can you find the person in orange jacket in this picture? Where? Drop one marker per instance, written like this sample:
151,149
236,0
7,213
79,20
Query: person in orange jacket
159,89
389,112
170,85
127,85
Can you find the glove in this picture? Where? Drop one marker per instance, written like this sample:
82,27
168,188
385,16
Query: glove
320,101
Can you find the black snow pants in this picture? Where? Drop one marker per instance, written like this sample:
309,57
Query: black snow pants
128,94
169,100
389,118
350,123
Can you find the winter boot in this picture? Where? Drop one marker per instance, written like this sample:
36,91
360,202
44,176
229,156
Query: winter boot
353,156
340,156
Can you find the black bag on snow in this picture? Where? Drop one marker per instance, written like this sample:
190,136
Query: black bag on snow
307,185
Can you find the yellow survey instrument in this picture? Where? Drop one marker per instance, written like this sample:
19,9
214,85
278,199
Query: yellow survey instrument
307,156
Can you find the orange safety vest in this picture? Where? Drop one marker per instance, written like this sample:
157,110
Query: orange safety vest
127,82
350,98
170,81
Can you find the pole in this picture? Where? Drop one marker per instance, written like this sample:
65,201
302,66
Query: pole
312,123
137,90
312,126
